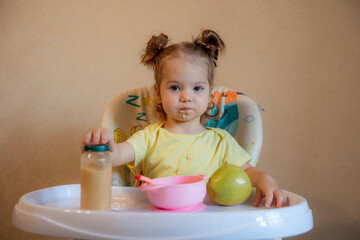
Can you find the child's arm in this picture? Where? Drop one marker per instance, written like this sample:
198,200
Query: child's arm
265,187
121,153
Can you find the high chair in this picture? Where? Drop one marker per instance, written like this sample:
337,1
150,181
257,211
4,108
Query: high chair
133,110
54,211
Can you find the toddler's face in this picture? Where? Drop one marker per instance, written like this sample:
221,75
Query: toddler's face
184,89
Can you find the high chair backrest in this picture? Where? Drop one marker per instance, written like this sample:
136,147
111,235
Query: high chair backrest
135,109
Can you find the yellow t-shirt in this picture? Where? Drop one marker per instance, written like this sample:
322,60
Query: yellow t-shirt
163,153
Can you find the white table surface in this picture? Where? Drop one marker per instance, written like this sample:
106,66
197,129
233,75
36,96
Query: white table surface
55,212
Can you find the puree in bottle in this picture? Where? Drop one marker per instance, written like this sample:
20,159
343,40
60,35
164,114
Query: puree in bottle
96,187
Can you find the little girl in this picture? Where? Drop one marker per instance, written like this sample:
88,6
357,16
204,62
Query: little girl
181,145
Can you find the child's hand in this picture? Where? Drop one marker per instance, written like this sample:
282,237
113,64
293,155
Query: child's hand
98,136
267,187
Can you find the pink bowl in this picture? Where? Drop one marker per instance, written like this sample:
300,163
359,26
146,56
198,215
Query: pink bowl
176,192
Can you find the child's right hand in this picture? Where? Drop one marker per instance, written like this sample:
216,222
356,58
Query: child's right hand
98,136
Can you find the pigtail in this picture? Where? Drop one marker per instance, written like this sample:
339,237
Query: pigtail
211,43
154,47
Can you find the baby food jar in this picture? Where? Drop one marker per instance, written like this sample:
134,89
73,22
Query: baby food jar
96,178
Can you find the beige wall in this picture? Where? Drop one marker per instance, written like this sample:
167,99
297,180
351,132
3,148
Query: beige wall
61,61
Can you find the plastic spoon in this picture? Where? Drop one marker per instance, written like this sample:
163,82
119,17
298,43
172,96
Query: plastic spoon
145,179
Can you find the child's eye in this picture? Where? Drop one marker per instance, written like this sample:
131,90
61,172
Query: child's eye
174,88
198,88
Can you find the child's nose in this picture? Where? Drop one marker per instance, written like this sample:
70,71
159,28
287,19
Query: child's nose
185,97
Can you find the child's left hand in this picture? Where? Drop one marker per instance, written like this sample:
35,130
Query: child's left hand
266,187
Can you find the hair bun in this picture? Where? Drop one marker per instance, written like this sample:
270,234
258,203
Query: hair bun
154,47
211,42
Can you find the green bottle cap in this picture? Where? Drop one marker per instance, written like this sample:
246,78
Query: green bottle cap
96,148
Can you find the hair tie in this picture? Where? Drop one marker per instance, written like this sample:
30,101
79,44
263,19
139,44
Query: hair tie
161,46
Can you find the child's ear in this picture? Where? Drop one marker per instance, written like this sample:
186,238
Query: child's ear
157,91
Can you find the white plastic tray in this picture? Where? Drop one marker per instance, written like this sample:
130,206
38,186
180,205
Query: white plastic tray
55,212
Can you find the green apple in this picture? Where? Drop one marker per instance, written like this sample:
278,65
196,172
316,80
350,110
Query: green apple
229,185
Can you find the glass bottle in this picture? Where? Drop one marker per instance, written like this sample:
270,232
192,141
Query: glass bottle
96,173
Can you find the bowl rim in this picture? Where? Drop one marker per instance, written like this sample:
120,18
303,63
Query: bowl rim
202,179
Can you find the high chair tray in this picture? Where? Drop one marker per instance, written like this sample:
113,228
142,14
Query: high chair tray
55,212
